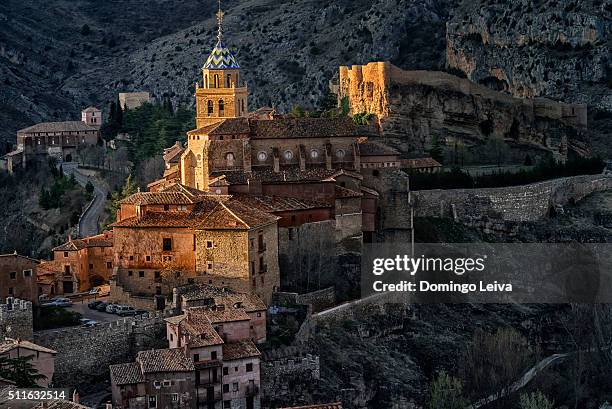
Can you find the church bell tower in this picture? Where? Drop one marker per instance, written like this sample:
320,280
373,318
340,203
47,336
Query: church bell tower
223,94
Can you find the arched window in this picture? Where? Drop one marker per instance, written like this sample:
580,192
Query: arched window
229,80
206,81
210,107
221,107
242,103
230,159
216,80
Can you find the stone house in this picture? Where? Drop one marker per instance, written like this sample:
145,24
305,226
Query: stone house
168,238
227,362
224,298
159,378
92,116
60,140
18,277
79,265
43,359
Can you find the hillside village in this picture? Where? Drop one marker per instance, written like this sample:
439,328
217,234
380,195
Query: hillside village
206,289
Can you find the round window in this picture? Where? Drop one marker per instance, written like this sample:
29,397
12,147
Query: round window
340,153
314,154
288,155
262,156
229,156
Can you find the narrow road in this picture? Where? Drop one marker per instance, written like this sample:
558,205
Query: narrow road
88,225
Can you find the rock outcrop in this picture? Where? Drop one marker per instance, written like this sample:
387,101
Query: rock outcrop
554,48
473,122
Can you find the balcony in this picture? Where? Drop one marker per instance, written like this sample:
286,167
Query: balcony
210,363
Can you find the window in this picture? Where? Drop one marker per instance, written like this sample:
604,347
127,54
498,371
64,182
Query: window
209,244
167,244
175,397
131,258
288,155
209,266
157,274
249,367
27,273
226,388
171,337
196,357
213,355
210,107
262,156
130,273
13,275
340,153
262,280
221,107
148,258
229,80
65,254
225,370
166,208
235,387
216,77
152,401
109,264
10,290
91,266
314,154
230,158
259,314
141,274
167,384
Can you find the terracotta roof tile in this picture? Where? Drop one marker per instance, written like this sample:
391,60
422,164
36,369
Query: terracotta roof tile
164,360
279,204
289,174
240,350
335,405
344,193
67,126
374,148
126,374
223,296
417,163
293,128
10,344
165,197
225,315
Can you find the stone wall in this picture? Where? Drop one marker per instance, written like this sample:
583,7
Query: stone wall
315,300
284,371
515,203
16,319
84,354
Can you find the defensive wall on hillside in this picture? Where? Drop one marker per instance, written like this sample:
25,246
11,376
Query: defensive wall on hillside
85,353
514,203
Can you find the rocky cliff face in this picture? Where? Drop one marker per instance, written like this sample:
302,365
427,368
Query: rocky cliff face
554,48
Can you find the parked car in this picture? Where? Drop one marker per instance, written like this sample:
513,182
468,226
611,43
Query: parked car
86,322
94,304
102,306
100,291
58,302
111,308
125,310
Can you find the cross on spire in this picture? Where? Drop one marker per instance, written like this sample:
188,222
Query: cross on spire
220,15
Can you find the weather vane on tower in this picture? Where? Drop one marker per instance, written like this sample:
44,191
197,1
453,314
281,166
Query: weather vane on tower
220,15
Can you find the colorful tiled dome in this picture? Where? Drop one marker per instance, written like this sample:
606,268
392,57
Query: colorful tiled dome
221,58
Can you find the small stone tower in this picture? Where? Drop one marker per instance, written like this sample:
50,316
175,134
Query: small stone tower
223,94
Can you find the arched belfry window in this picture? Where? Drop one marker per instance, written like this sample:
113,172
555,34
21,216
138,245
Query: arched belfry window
229,80
210,107
216,80
206,81
221,107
